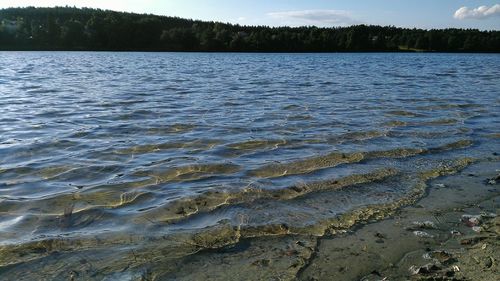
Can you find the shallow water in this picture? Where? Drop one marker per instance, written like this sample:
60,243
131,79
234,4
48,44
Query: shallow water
111,153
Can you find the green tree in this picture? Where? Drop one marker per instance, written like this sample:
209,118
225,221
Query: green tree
72,34
93,29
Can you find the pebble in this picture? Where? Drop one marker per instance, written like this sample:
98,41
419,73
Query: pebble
493,181
477,229
423,234
440,256
263,262
471,220
489,262
300,243
426,269
416,225
476,220
425,224
489,215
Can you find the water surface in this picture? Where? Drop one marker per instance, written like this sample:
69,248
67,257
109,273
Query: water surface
108,154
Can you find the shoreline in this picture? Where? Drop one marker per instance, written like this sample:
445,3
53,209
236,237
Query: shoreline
431,240
402,246
250,52
426,239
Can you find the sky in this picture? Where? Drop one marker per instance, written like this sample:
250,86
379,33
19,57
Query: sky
481,14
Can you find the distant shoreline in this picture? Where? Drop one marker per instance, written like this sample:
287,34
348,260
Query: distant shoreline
75,29
248,52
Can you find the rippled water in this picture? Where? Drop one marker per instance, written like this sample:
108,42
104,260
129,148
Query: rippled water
112,153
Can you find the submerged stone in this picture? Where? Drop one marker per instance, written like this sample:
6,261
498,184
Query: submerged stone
422,234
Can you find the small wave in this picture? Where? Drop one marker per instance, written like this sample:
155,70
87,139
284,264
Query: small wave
445,121
404,113
151,148
173,129
334,159
209,201
395,123
189,173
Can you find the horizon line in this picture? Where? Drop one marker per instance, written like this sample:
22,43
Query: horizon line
244,25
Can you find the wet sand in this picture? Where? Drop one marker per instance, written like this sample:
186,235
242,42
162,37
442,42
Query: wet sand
445,229
428,240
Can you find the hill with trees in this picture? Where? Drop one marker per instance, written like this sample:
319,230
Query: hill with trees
68,28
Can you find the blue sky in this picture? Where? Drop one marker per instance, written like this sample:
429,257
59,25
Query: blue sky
482,14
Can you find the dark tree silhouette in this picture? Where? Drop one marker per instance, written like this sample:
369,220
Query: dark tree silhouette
67,28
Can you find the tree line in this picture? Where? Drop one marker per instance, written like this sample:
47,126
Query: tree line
69,28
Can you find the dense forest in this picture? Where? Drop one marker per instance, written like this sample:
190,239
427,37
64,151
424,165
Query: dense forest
67,28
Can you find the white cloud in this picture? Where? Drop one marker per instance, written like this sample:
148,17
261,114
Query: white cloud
314,17
481,12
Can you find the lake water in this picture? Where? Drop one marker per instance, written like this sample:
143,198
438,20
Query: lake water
118,156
